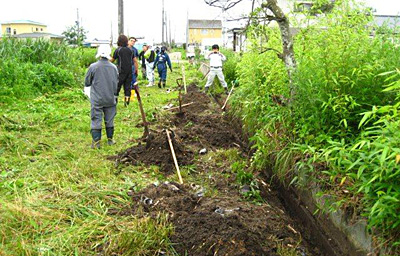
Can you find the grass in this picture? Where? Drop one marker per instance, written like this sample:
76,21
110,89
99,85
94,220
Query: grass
55,192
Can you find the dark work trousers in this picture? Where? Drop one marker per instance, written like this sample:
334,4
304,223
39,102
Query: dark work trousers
97,113
134,77
125,80
162,71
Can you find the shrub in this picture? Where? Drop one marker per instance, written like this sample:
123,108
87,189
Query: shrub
339,85
34,67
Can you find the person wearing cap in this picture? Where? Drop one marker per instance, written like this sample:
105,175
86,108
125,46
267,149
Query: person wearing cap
149,57
124,56
216,59
101,82
161,62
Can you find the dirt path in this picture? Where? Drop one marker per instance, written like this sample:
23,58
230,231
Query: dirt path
223,223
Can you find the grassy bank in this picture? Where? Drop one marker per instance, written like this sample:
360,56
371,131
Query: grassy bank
340,128
55,192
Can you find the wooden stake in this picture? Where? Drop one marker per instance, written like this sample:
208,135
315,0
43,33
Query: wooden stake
146,126
184,78
227,98
174,157
178,81
183,105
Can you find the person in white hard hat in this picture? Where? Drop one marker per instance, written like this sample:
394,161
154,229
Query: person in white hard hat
102,81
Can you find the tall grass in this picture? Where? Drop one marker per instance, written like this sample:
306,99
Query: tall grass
33,67
341,127
56,195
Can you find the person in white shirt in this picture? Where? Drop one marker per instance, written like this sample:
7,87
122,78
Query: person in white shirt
216,58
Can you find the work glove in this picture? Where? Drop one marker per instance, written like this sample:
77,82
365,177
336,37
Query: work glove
86,91
136,86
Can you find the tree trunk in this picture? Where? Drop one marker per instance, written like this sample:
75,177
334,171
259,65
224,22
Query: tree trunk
287,41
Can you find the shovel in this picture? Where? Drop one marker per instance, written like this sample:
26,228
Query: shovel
179,82
174,156
146,125
227,98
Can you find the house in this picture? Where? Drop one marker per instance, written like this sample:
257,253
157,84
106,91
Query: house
17,27
236,39
198,30
46,36
390,21
96,43
24,29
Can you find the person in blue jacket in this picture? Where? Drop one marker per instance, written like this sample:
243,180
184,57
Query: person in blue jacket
161,62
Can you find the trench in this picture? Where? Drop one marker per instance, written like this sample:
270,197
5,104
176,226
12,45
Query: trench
213,214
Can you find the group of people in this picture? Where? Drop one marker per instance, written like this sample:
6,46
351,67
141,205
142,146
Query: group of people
151,59
104,80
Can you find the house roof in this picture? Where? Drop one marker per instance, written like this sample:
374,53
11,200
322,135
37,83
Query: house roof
37,35
23,22
205,24
391,21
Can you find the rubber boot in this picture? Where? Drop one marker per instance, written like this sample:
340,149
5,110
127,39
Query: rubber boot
226,90
127,100
110,135
206,89
164,83
159,84
96,138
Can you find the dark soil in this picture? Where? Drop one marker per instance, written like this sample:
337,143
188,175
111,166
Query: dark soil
200,125
222,225
156,151
203,124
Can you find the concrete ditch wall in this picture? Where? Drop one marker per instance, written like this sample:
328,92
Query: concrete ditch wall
334,232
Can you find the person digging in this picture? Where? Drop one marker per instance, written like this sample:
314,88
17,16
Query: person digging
161,62
216,58
101,84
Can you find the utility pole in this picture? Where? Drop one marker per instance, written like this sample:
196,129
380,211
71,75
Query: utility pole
224,24
169,27
167,37
187,27
77,26
163,22
120,17
111,38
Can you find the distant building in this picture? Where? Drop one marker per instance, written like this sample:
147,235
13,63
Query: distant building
198,30
17,27
96,43
236,39
25,29
390,21
47,36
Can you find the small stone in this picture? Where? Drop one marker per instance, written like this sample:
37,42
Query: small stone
219,211
245,189
203,151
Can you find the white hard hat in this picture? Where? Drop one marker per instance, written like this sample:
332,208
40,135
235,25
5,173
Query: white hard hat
104,51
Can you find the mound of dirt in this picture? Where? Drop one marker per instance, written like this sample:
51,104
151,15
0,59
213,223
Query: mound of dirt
223,225
201,125
201,100
210,131
156,151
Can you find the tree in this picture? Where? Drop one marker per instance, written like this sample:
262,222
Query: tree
272,12
75,34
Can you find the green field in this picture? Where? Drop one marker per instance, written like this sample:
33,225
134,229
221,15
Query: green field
56,191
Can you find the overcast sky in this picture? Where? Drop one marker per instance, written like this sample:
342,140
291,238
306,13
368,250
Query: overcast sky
142,18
